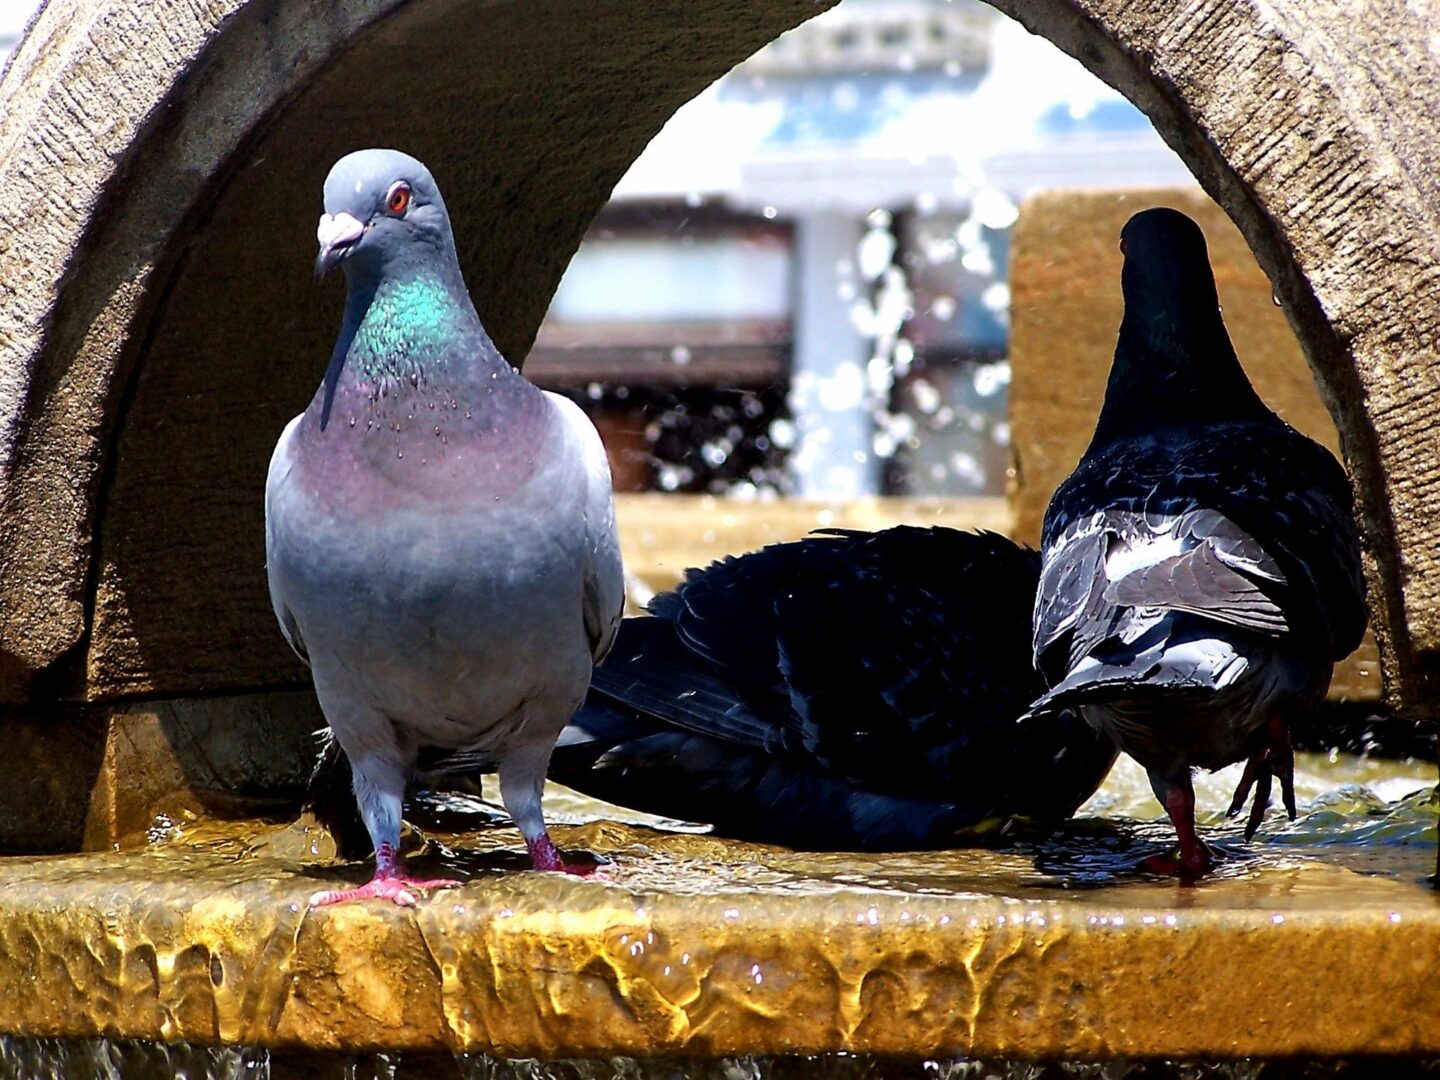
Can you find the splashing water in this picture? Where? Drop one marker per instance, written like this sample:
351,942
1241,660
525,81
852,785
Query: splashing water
97,1059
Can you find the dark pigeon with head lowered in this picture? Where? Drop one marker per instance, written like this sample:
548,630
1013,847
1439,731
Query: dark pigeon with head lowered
440,536
1201,565
849,691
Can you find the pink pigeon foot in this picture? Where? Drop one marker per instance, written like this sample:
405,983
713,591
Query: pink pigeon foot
546,856
401,889
1194,859
389,883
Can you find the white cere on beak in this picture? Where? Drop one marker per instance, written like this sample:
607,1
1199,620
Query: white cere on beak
337,229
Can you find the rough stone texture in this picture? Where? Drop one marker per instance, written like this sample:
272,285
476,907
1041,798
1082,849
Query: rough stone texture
698,948
116,123
169,157
96,776
157,325
1066,309
53,761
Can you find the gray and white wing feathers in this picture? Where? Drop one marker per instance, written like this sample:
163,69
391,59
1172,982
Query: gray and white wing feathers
1114,576
1216,573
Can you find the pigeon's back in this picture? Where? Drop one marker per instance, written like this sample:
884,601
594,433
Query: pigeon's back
1246,523
1201,568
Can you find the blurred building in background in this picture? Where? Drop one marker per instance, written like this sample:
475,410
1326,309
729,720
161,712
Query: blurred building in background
800,288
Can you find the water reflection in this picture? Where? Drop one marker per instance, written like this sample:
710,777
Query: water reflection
1361,815
97,1059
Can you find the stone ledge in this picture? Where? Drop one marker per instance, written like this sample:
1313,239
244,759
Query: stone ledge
663,535
697,947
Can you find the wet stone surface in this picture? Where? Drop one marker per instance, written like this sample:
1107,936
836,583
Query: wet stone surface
1318,939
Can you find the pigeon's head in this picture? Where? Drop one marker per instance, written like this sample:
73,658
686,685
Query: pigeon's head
382,211
1174,362
1166,263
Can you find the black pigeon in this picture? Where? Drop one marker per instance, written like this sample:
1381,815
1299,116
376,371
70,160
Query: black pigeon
848,691
1201,566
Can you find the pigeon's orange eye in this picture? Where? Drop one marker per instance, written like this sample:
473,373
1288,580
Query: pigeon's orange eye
399,198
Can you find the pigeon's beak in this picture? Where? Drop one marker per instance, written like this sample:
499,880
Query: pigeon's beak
337,234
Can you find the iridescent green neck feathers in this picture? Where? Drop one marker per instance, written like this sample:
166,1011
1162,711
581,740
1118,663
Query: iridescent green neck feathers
407,327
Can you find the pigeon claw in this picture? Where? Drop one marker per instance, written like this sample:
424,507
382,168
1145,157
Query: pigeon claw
1258,775
398,889
1274,760
586,870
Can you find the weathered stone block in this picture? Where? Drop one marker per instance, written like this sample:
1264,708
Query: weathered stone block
662,536
53,761
97,776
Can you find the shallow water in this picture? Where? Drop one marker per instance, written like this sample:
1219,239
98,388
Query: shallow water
102,1059
1367,814
1371,816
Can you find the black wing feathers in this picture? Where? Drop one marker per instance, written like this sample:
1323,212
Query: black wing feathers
847,690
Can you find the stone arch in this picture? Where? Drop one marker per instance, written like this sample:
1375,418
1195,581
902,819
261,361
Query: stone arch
158,324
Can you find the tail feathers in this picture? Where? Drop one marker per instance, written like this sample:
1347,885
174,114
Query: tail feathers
1194,665
330,797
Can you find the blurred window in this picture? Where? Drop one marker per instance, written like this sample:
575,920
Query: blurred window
661,295
646,279
672,328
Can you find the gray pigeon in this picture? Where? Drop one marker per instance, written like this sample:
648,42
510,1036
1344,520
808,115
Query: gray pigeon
1201,567
439,533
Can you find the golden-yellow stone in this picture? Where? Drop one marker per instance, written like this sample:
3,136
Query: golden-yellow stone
695,946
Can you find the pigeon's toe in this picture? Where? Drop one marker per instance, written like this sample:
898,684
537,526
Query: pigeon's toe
1274,760
1259,770
398,889
544,855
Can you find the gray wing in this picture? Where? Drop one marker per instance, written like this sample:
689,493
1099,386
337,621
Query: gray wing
1071,592
1110,575
279,470
1217,577
604,576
